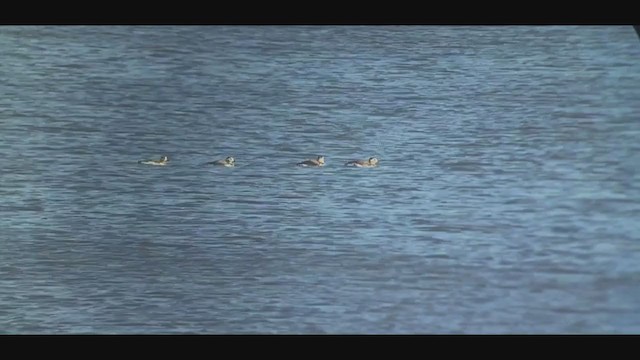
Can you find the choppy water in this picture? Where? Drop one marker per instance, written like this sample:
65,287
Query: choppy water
506,200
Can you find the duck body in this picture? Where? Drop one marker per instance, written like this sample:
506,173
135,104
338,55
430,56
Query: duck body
319,161
228,162
371,162
163,161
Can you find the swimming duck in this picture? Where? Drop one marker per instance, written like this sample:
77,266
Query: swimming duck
311,162
163,161
228,162
372,162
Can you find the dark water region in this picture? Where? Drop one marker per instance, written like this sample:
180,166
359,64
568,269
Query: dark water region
506,199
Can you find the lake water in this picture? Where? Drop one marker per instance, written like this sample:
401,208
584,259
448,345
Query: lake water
507,199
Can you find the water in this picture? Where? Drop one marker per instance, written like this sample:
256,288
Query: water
506,200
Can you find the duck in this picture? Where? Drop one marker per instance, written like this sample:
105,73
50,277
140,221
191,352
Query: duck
319,161
163,161
371,162
229,161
